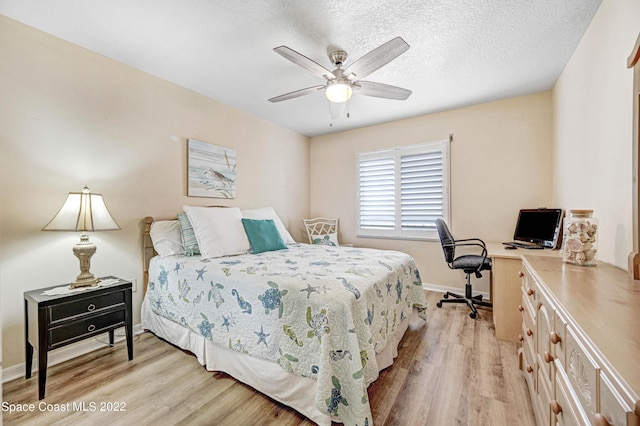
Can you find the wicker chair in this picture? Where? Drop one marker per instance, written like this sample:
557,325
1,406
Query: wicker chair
322,230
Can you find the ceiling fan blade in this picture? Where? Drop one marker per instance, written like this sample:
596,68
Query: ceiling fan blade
379,90
297,93
306,63
378,57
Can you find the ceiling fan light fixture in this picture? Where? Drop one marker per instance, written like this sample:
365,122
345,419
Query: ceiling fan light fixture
338,91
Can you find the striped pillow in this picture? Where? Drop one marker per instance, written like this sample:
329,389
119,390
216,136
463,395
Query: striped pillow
188,236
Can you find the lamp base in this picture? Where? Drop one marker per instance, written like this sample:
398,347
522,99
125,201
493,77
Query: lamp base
83,251
88,283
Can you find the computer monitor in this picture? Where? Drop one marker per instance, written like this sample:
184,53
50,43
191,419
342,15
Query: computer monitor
539,226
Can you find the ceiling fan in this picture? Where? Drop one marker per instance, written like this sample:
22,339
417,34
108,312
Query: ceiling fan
342,83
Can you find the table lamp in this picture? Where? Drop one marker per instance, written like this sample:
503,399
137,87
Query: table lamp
84,212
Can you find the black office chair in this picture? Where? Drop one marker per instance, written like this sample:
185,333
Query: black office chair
469,263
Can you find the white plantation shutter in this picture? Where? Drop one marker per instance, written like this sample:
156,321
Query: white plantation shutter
377,194
401,192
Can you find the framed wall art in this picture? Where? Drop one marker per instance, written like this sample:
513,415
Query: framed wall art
211,170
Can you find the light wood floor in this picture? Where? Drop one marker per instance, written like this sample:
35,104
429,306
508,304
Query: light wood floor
453,371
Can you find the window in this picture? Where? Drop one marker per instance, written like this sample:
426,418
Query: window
402,191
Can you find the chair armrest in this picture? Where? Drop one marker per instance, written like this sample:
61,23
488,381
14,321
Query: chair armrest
474,242
478,241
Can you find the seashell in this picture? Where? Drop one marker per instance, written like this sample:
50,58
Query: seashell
573,244
590,255
581,258
572,228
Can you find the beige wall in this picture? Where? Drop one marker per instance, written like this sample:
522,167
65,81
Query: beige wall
500,162
592,103
70,117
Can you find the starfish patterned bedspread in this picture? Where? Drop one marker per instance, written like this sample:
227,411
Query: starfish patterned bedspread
317,311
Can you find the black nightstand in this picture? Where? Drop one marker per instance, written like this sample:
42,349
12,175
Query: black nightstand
55,321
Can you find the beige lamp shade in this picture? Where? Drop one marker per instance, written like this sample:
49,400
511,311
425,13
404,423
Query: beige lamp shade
84,212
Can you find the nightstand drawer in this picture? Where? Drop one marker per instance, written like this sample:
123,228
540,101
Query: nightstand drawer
63,311
59,336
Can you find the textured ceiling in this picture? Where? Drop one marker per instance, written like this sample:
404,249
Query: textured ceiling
463,52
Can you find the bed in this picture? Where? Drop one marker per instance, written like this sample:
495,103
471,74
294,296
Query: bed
310,326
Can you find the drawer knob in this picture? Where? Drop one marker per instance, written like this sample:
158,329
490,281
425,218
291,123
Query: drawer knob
600,420
548,358
529,369
529,332
555,338
91,327
520,274
520,337
555,407
91,307
531,292
520,308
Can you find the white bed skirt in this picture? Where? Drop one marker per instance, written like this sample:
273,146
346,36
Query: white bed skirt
266,377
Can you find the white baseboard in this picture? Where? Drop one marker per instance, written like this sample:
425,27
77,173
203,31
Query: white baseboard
66,353
443,289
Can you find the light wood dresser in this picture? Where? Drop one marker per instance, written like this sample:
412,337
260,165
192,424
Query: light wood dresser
580,338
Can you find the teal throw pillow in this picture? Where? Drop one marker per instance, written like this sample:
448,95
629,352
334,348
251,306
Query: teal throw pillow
263,235
189,240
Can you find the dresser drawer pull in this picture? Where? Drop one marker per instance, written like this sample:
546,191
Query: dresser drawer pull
91,307
529,332
555,338
548,358
555,407
520,337
520,274
91,327
531,292
529,369
600,420
520,308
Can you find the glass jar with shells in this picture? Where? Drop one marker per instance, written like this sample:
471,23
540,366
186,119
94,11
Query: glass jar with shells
579,240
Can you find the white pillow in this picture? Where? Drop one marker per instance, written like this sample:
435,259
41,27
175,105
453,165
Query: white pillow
219,230
266,213
166,238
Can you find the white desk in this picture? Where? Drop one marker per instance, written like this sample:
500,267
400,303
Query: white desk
505,286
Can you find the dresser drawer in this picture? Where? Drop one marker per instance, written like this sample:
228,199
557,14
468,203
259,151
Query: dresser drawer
545,396
81,329
528,309
582,373
612,406
529,366
63,311
558,339
544,325
530,289
565,408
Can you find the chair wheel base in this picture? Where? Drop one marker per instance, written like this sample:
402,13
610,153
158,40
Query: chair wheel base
439,304
473,315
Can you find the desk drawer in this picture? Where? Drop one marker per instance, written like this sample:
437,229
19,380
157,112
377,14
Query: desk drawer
83,306
77,330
